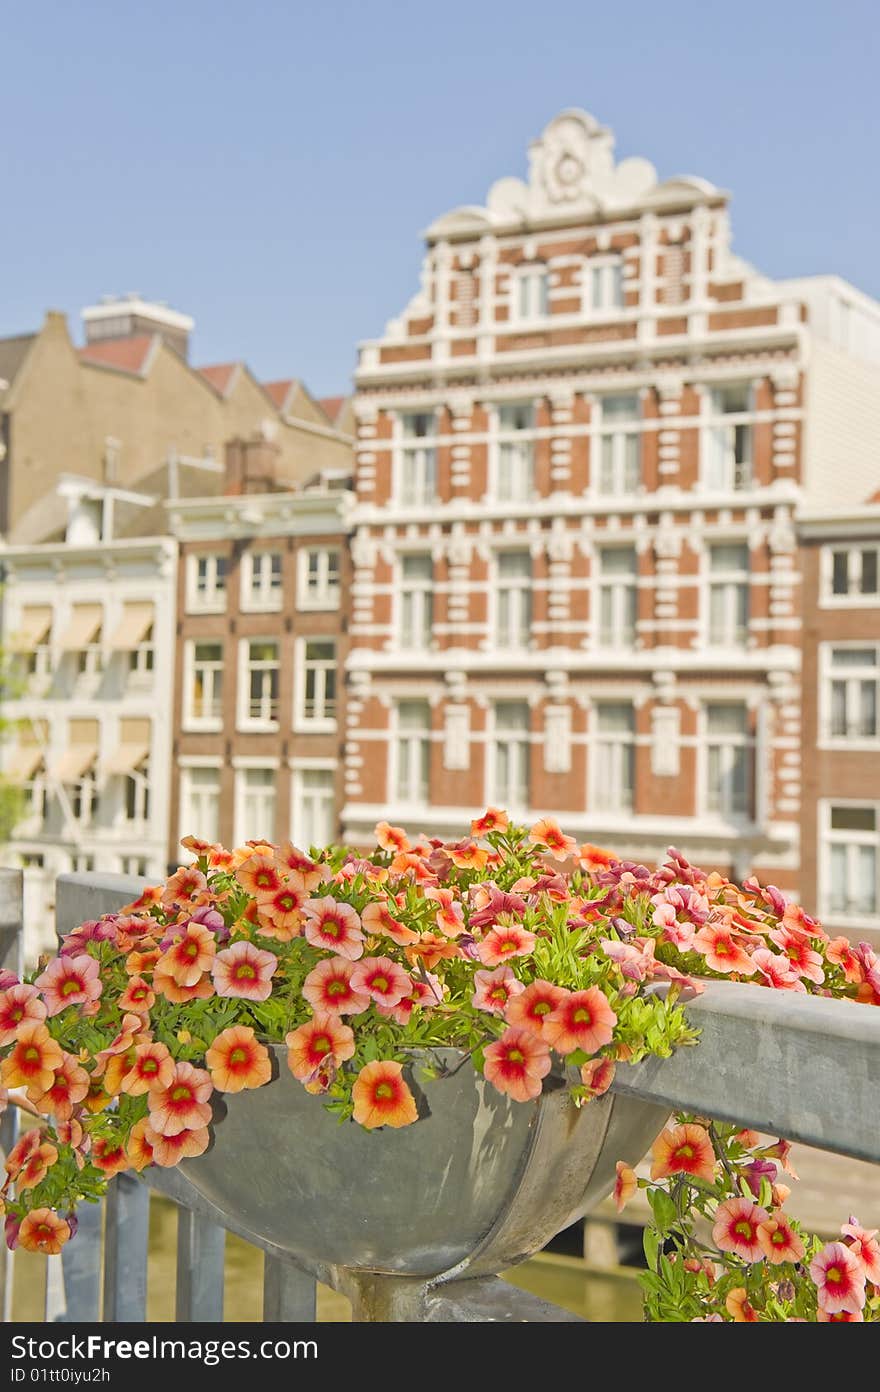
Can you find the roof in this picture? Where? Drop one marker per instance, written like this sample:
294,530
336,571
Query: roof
219,376
13,352
331,406
278,392
123,354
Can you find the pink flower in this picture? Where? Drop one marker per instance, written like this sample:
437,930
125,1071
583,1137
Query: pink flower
516,1063
597,1075
494,989
245,971
547,833
531,1009
865,1248
796,946
183,1105
581,1020
736,1228
839,1278
488,903
334,926
635,959
722,950
328,989
18,1002
777,970
450,915
502,943
378,920
70,981
382,980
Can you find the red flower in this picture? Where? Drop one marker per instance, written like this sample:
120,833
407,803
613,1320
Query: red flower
581,1020
320,1041
493,819
382,980
683,1149
328,988
737,1223
493,990
381,1096
516,1063
18,1003
182,1105
501,943
531,1009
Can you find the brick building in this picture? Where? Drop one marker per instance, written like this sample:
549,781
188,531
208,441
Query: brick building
261,646
581,452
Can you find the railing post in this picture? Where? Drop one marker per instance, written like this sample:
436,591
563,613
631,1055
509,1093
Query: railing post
289,1294
200,1250
73,1283
126,1239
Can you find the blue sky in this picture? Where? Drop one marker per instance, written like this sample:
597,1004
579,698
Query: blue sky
268,167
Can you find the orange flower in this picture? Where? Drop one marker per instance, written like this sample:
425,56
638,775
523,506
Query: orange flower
503,942
96,1099
683,1149
184,886
33,1060
381,1097
391,838
36,1167
138,996
109,1156
219,858
841,952
166,986
187,959
382,980
140,1152
494,990
151,1067
377,919
302,872
594,858
149,896
530,1009
237,1060
69,1086
467,855
170,1150
26,1146
323,1039
625,1185
493,819
722,950
778,1239
279,913
737,1304
432,949
328,988
598,1075
450,914
547,833
336,927
183,1105
516,1063
17,1004
259,874
137,962
581,1020
43,1231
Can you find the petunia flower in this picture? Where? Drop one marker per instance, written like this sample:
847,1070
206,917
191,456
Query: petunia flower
391,838
501,943
17,1004
516,1064
280,913
382,980
185,885
321,1040
777,970
244,971
736,1228
493,819
328,988
336,927
839,1278
863,1244
546,832
531,1008
183,1105
165,985
685,1149
152,1067
581,1020
740,1307
70,981
189,954
381,1096
69,1086
625,1185
796,947
778,1239
450,914
236,1060
597,1075
493,990
170,1150
110,1156
140,1152
377,920
42,1230
34,1058
841,952
722,950
36,1167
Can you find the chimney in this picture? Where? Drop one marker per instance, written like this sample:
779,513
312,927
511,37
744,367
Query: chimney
128,316
251,465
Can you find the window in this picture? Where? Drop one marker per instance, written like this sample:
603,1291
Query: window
728,760
260,676
606,285
852,684
137,866
614,757
82,864
319,586
137,794
509,783
617,596
418,459
412,752
141,659
516,453
852,841
619,445
90,659
200,803
728,596
314,807
513,599
855,573
317,704
416,601
84,799
35,798
206,583
254,805
261,580
530,294
204,691
729,440
38,666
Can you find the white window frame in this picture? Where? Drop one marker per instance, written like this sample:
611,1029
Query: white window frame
607,772
314,724
142,661
829,837
421,490
852,599
299,767
84,791
268,716
519,590
604,286
852,676
35,802
188,823
705,740
261,596
517,446
619,432
191,721
412,738
530,294
213,601
735,476
327,592
416,594
140,777
38,667
244,827
90,670
622,587
729,584
135,865
495,794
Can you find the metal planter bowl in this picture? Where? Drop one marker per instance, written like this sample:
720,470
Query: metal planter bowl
478,1184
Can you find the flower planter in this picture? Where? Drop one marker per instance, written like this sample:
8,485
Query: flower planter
480,1183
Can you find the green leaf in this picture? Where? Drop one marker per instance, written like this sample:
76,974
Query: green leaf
662,1208
651,1246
